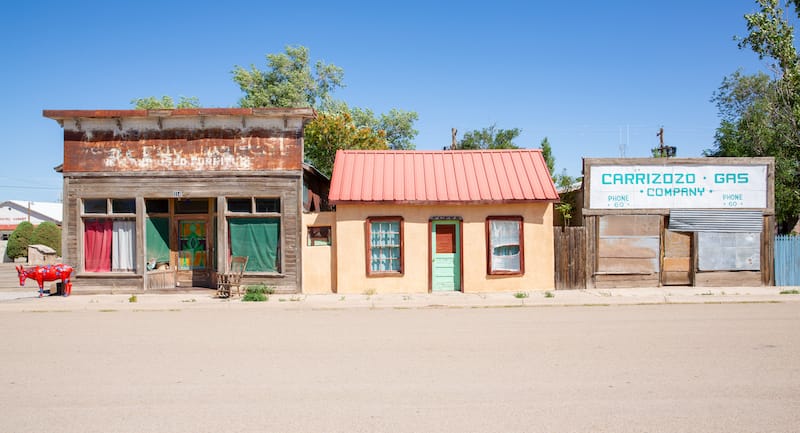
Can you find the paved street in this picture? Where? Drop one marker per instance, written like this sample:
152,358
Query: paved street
621,368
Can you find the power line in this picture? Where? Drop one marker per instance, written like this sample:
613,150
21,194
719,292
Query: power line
29,187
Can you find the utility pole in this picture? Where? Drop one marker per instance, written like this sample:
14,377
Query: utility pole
663,151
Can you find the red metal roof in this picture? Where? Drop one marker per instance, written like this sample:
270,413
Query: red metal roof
404,176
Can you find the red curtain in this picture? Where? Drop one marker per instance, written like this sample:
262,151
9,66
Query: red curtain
97,245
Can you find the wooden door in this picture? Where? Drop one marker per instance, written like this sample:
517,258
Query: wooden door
193,252
677,259
446,256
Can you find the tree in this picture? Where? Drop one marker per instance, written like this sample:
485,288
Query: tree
47,233
760,116
166,102
288,81
334,131
397,126
489,138
547,153
19,240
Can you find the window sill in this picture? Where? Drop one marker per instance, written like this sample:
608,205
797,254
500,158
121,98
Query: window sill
384,274
506,273
264,274
122,274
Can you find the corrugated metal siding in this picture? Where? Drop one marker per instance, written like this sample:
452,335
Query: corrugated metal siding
441,176
720,221
729,251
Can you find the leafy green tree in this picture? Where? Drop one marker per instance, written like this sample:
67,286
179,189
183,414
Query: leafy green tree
489,138
288,81
166,102
19,240
397,126
564,181
760,116
335,131
47,233
547,153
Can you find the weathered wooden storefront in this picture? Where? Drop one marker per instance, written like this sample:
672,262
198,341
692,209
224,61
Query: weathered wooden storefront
667,221
159,199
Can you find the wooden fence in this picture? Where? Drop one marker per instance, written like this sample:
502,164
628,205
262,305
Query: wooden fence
570,257
787,260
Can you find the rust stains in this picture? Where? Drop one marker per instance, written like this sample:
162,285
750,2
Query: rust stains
184,154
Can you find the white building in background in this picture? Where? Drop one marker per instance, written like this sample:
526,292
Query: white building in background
13,212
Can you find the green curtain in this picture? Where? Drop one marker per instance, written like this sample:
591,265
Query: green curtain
258,239
157,232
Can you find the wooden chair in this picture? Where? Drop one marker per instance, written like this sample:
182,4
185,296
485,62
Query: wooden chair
227,281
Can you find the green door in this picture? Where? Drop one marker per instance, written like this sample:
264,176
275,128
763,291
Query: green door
446,254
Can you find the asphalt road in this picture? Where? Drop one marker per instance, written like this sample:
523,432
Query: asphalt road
646,368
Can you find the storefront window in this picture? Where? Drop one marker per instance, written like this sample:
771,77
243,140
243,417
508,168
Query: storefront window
109,239
255,232
505,246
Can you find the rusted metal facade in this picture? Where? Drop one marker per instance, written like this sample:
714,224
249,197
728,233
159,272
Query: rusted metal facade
191,169
678,221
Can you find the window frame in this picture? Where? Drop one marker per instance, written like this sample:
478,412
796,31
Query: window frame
109,215
228,215
368,246
310,239
520,220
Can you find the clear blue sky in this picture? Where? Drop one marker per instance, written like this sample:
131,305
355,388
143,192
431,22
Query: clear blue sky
581,73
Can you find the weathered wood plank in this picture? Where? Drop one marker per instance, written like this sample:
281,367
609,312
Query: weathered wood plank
627,265
625,281
676,264
723,279
630,225
677,244
570,257
675,278
628,247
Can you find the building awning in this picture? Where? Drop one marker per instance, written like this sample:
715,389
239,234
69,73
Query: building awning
720,221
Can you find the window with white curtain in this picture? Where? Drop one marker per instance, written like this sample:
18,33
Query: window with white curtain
505,248
109,235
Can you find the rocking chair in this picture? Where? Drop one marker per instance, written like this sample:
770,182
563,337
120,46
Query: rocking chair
227,281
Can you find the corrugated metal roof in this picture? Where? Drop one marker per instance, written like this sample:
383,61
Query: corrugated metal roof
713,220
514,175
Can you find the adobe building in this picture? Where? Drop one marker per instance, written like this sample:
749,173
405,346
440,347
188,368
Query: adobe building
679,221
437,221
161,199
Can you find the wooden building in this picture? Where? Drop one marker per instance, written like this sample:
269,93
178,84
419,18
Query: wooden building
431,221
679,221
159,199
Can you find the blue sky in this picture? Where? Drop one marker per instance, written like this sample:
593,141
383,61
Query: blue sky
588,75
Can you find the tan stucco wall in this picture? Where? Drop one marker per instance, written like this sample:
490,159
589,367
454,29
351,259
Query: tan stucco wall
350,233
319,262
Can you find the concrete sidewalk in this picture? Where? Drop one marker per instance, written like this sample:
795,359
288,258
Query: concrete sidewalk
28,300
